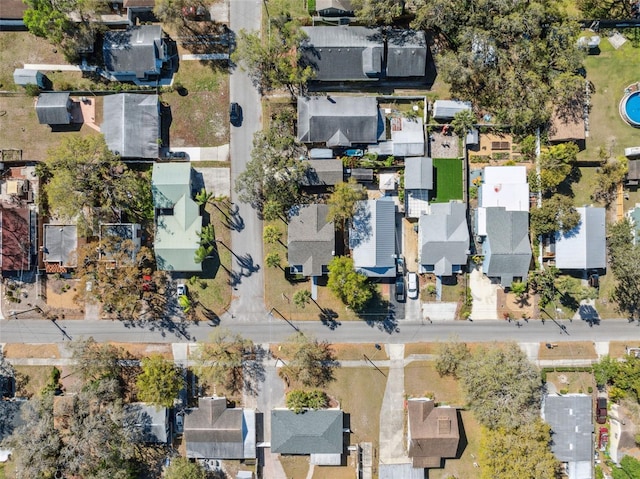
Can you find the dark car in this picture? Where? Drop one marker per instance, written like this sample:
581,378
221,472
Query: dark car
594,280
235,114
601,410
400,289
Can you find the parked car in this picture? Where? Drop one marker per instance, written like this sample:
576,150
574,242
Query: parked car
235,114
193,12
400,291
180,422
601,410
400,270
412,285
594,280
181,290
354,152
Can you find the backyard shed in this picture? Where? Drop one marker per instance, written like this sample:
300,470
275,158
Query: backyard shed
447,109
24,77
54,108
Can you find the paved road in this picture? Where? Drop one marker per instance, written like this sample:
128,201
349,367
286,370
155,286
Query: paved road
273,330
246,239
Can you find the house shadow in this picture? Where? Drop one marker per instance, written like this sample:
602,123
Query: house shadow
381,314
346,441
166,118
66,128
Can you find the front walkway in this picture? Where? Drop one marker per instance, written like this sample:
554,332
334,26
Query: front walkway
392,443
484,294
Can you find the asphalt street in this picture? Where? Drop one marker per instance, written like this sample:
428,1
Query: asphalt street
246,238
274,330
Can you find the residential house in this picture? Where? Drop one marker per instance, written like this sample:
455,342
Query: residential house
178,219
131,125
319,434
117,234
433,433
571,421
585,246
504,186
15,234
215,431
60,243
407,54
323,173
372,234
506,246
11,15
152,422
418,184
54,108
445,110
343,53
339,121
334,8
568,125
443,239
311,240
407,138
137,54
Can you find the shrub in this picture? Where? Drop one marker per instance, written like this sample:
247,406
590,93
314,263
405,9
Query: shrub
589,389
32,90
564,391
299,400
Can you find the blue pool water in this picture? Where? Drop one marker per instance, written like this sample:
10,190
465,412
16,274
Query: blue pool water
632,107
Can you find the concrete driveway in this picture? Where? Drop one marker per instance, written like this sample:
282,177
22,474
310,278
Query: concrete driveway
485,298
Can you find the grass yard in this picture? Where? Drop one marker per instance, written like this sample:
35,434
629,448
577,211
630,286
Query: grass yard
31,379
360,392
583,189
334,472
448,179
421,348
296,8
421,378
346,352
570,350
27,350
462,467
572,382
617,349
606,127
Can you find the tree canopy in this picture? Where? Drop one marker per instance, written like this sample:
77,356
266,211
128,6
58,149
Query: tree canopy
351,287
611,173
504,56
451,355
344,200
603,9
307,361
556,163
89,184
182,468
623,377
160,381
624,258
371,12
555,214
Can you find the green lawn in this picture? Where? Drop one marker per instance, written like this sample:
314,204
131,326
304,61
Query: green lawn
448,179
610,72
585,186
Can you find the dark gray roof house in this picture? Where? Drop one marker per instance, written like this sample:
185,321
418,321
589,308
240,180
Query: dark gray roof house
633,174
334,8
443,239
54,108
131,125
152,421
339,120
571,422
585,246
311,239
60,244
136,54
318,433
372,238
214,431
343,53
433,433
406,53
323,173
506,247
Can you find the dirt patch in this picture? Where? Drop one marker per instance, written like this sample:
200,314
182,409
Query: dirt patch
140,351
572,382
618,349
31,351
60,293
572,350
510,307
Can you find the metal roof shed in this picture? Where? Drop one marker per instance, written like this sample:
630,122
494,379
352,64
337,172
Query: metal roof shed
24,77
53,108
447,109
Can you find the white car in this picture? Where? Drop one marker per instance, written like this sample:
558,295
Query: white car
412,285
181,290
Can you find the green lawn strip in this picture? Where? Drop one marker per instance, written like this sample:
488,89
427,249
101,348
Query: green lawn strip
610,72
585,186
357,351
448,179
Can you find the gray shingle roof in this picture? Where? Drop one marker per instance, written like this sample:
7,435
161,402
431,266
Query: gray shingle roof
372,236
131,125
447,109
343,53
507,248
418,174
339,120
334,7
323,172
137,50
53,109
444,237
152,421
311,239
60,243
406,53
311,432
571,426
585,246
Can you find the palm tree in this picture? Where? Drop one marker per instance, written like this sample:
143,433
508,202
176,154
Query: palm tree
271,234
207,235
273,260
202,198
202,253
302,298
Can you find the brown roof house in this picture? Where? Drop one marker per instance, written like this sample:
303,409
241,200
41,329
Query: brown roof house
215,431
433,433
15,234
568,126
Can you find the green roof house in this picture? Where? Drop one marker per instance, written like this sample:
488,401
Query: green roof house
178,219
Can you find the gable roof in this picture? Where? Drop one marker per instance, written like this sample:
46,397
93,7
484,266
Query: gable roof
214,431
571,422
135,50
372,238
334,7
444,237
60,244
343,53
585,246
15,234
178,219
506,248
323,172
53,108
338,120
418,173
131,124
311,238
310,432
433,432
153,421
447,109
406,53
407,136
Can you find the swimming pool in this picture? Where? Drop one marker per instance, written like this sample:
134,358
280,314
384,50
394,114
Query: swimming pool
632,108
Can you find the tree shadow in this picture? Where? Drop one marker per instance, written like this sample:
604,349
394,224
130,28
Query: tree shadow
254,370
232,220
328,317
381,314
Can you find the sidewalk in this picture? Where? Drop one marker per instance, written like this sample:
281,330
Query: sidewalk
392,450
